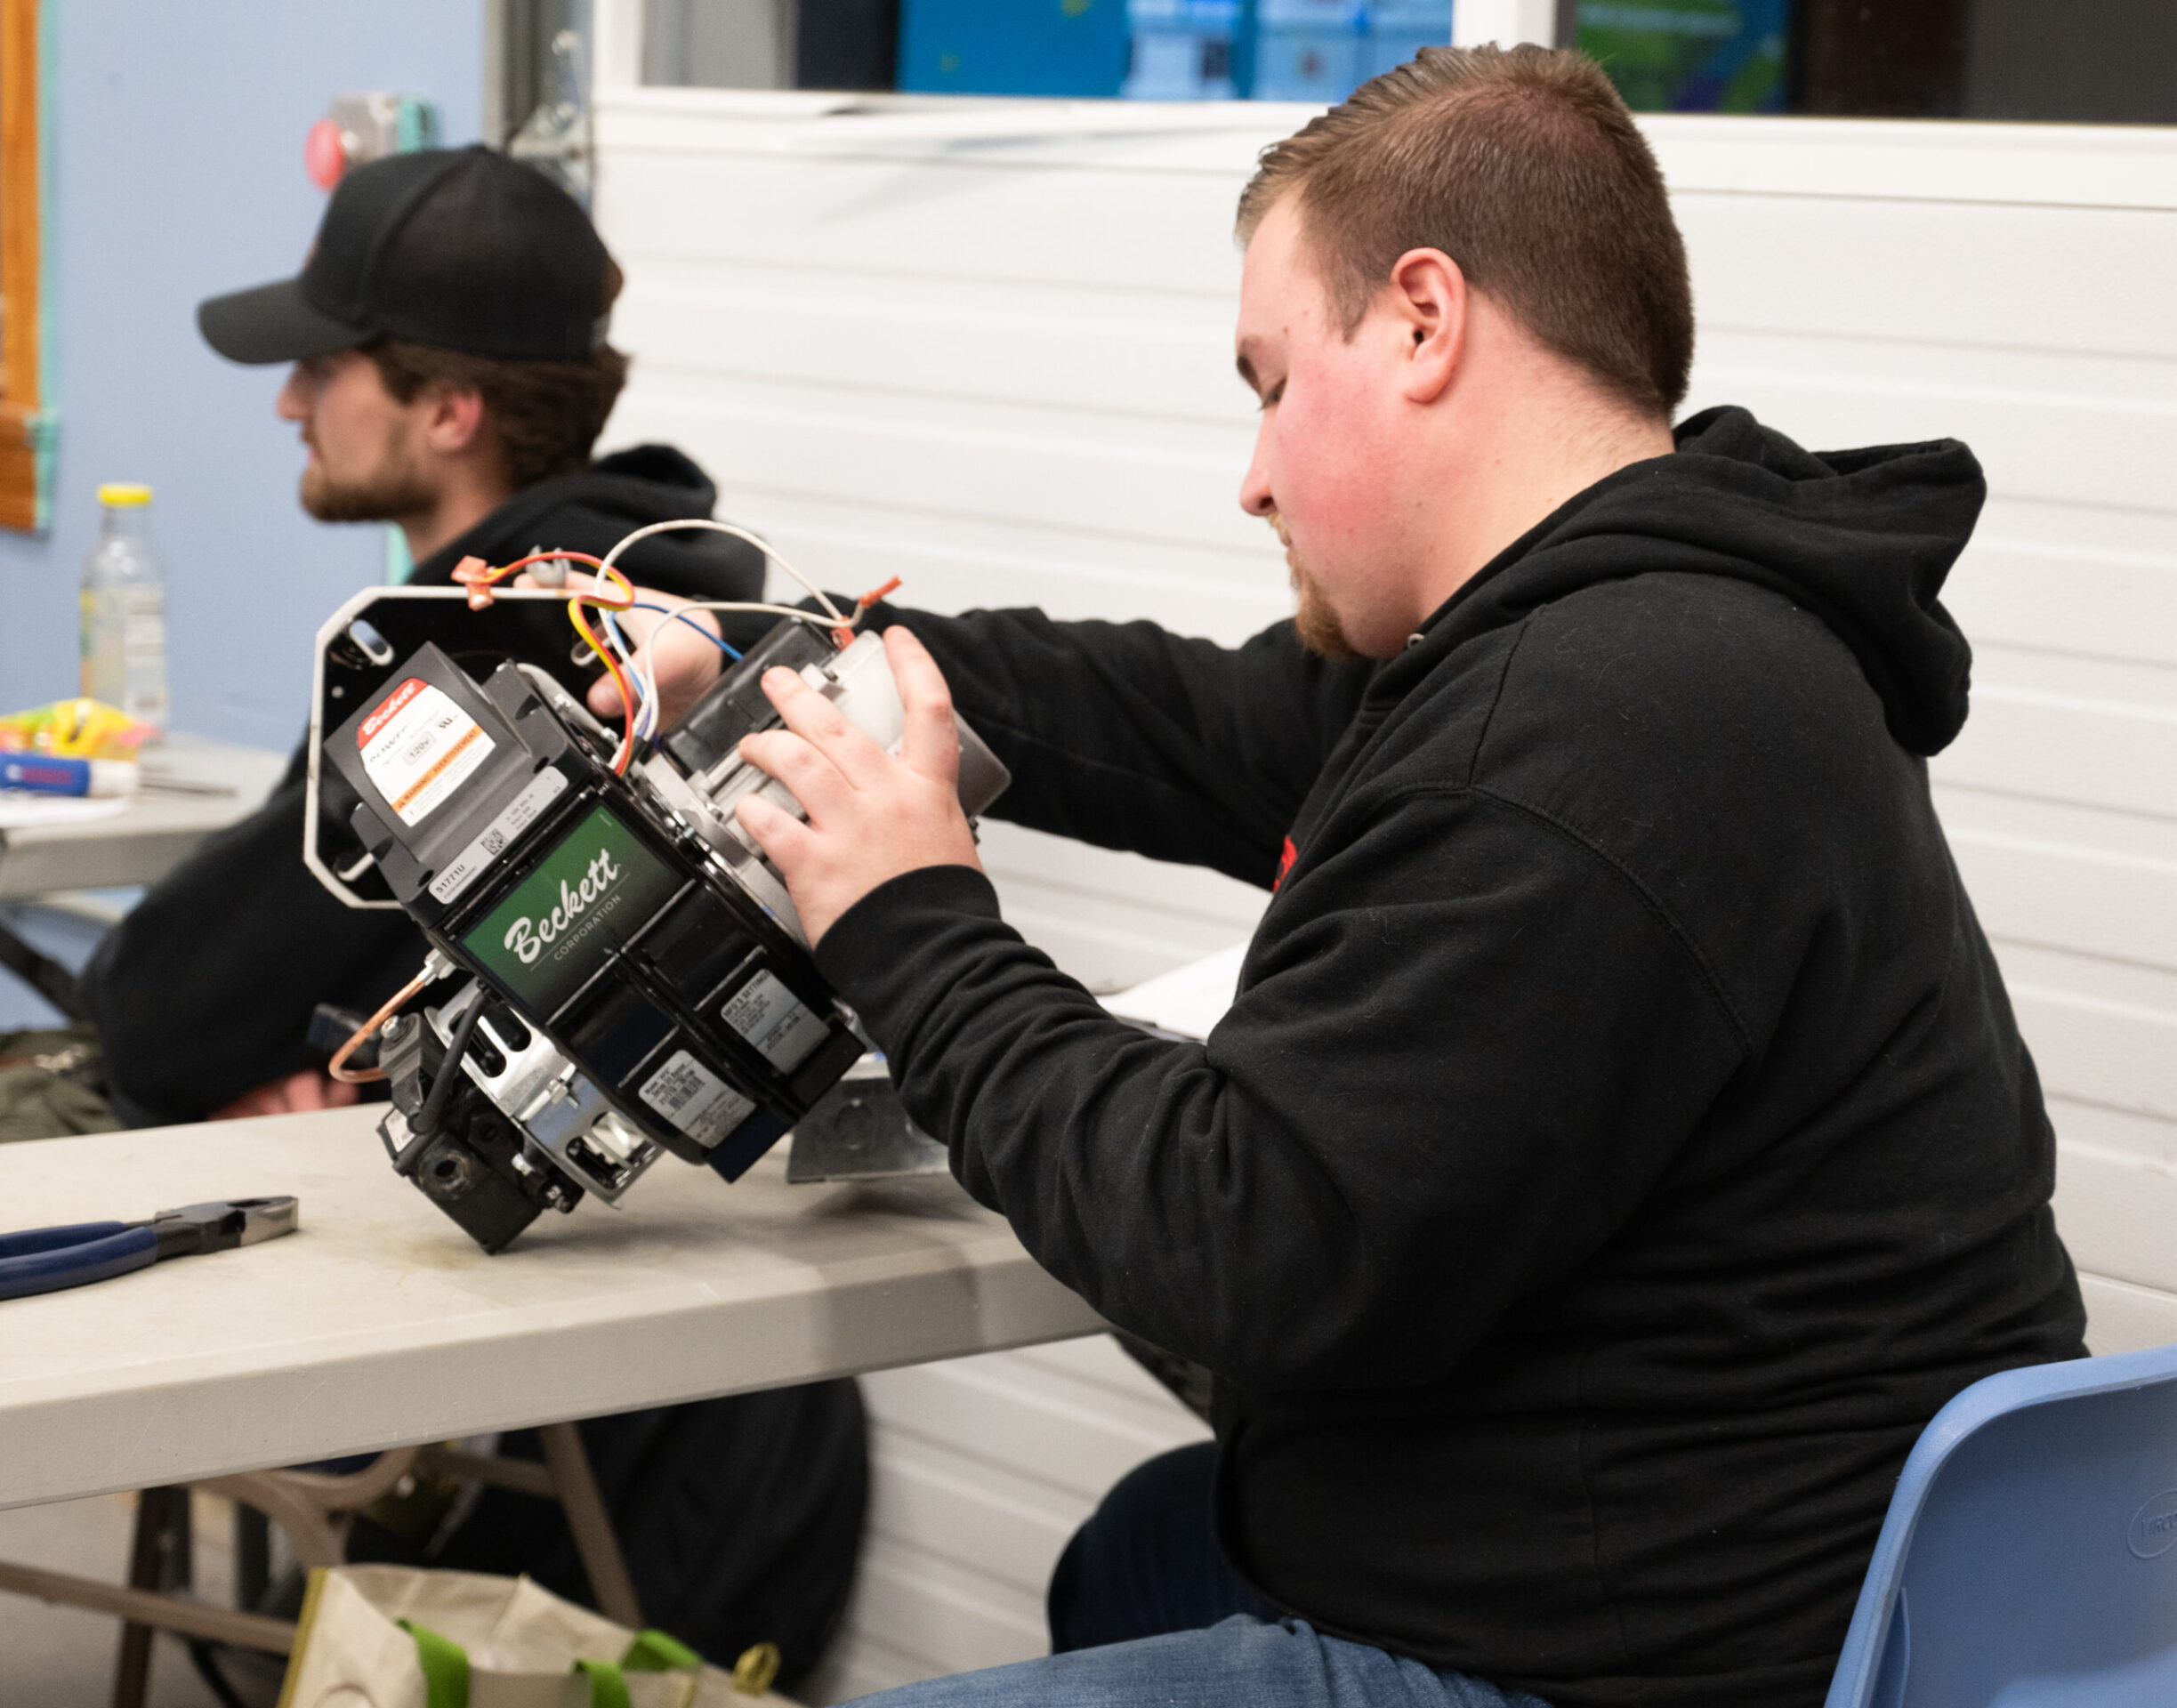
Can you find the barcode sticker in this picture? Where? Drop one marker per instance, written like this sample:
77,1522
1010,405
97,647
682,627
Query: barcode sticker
695,1099
466,866
776,1021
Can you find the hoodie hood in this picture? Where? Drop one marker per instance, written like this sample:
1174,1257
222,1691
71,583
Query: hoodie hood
1864,539
595,510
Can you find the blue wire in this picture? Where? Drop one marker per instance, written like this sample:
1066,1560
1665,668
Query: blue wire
627,648
681,617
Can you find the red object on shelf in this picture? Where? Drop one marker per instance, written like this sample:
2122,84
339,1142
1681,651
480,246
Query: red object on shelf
325,153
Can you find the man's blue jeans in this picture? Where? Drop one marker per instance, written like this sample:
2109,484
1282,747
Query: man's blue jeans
1143,1610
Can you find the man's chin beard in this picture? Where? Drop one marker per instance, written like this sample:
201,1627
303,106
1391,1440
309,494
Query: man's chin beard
1315,622
388,497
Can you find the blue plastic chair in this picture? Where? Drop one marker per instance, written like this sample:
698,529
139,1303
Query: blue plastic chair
2029,1559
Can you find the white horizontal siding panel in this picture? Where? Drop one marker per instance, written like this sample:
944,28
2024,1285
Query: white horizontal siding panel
863,341
962,563
944,219
2076,595
1083,483
2124,1317
2101,1032
1023,1428
2143,1138
859,1663
2093,732
2077,450
947,1618
2115,1211
2082,898
1098,1361
1918,276
2003,813
2008,165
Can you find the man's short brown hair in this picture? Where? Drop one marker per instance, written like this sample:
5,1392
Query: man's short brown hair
545,415
1524,166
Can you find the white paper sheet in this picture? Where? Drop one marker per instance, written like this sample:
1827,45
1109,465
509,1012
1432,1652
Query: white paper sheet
20,809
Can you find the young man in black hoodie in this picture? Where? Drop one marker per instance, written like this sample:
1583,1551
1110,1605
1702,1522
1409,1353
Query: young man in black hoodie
1620,1145
451,373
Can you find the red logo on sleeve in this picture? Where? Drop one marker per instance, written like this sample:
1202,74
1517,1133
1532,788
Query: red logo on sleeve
1284,863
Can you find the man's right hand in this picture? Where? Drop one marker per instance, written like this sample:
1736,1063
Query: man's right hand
294,1095
686,663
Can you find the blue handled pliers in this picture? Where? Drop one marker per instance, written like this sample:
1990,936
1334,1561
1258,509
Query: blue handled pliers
45,1260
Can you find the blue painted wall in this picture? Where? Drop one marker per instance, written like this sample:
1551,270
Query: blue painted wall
177,172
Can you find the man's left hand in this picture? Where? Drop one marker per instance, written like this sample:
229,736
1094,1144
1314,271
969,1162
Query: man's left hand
872,817
295,1094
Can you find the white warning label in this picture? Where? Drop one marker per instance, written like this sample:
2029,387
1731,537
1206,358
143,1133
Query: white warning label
774,1022
695,1099
418,747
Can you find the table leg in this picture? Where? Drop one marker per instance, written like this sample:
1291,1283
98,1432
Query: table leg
591,1524
252,1556
149,1566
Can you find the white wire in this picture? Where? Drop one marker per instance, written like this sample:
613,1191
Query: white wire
645,719
822,598
649,699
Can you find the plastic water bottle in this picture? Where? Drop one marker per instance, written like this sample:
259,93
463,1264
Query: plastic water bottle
125,609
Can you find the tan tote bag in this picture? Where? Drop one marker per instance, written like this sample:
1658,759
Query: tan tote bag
388,1636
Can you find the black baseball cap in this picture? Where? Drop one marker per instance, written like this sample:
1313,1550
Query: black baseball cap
460,248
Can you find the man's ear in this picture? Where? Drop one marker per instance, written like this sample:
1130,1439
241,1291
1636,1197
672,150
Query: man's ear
1429,295
453,419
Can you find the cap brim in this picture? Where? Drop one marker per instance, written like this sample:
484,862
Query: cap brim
274,323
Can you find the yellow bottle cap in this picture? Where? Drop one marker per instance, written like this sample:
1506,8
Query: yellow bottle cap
123,494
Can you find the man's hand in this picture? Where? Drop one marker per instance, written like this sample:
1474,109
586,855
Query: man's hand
297,1093
685,665
871,816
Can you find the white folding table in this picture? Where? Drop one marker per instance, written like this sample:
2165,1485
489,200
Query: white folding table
381,1324
193,786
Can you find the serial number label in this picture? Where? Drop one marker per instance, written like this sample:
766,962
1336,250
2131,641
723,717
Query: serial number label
776,1022
695,1099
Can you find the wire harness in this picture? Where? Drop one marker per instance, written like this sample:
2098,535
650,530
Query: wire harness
611,595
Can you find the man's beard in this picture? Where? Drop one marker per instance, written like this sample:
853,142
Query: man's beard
395,489
1315,622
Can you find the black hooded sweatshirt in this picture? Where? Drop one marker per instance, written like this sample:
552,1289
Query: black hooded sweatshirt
1620,1145
206,990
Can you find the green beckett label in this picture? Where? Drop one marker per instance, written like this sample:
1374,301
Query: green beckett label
590,894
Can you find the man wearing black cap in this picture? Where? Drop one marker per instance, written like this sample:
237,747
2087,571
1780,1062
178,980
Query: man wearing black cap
450,375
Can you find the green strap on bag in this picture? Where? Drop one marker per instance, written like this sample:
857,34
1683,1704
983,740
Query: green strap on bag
653,1651
608,1686
445,1665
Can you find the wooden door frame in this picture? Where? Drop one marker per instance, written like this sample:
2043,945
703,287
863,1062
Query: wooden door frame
26,418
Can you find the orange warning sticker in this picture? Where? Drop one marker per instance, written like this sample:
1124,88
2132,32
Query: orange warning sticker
418,746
